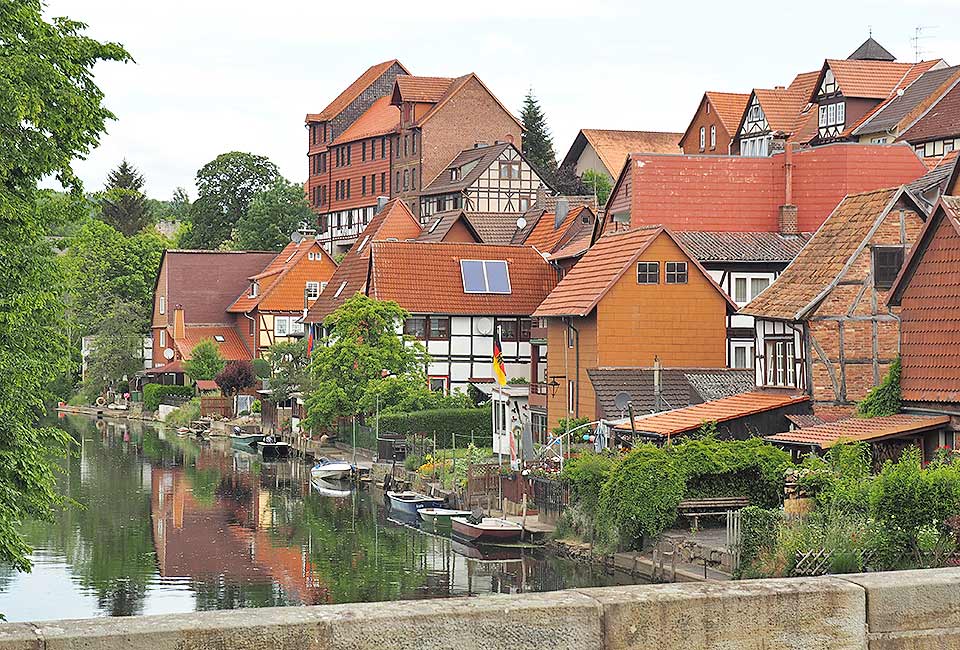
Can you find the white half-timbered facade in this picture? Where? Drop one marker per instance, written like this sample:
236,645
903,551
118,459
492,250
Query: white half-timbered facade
754,134
491,178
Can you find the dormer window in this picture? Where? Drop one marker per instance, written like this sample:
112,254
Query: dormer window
455,174
829,85
254,289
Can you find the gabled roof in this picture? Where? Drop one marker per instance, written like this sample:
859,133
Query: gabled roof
941,120
824,436
472,163
613,146
380,119
547,237
901,110
439,225
353,91
797,292
870,50
947,207
691,418
728,107
270,277
206,283
437,91
871,79
231,347
397,273
395,221
928,188
603,265
679,387
743,246
546,207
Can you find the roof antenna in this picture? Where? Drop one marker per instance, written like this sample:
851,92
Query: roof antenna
918,36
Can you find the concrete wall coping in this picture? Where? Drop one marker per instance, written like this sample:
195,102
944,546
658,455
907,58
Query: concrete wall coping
897,610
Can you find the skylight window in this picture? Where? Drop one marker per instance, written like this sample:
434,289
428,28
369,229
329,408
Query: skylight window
219,338
435,224
340,289
485,276
363,243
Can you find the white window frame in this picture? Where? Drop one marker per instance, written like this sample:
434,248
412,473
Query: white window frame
841,113
749,354
703,137
163,338
285,329
748,278
163,305
571,396
313,290
713,136
486,278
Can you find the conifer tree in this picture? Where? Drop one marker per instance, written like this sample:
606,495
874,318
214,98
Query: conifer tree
123,204
537,141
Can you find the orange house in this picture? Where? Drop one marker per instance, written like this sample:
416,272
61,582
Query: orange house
634,297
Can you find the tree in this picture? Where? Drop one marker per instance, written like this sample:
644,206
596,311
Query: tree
205,361
598,184
236,376
537,141
226,187
288,369
362,342
122,203
117,349
567,182
52,113
274,214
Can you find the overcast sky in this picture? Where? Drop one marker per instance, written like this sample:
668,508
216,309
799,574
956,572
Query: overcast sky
214,76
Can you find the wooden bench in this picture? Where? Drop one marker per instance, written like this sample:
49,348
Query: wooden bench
693,509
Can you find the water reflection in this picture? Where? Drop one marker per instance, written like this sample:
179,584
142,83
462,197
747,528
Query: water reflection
167,524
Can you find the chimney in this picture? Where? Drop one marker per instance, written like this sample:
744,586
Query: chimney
508,138
178,323
561,212
381,203
787,216
541,197
478,144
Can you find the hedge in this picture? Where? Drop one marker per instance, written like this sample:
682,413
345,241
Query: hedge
444,423
153,394
758,531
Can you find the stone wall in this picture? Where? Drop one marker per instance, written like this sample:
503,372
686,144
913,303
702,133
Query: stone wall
882,611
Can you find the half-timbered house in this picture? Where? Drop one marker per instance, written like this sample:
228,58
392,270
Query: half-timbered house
278,296
776,116
472,292
484,178
823,327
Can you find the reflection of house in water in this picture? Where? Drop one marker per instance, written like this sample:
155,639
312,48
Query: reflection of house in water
224,534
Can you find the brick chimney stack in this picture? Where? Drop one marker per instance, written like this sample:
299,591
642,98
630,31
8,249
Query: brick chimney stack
179,325
787,216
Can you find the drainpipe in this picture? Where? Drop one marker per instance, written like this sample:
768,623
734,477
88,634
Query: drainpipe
576,333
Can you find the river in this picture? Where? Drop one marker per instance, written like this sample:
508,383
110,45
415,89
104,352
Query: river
164,524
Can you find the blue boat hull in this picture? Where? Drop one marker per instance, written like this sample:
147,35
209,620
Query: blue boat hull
411,507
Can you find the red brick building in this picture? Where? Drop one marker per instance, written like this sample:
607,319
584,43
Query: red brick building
714,124
338,153
439,118
823,328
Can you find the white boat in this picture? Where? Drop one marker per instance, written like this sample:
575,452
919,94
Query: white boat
327,468
333,489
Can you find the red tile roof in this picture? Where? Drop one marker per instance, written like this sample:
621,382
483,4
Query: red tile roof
873,79
545,237
786,109
743,194
231,348
928,292
395,221
380,119
829,434
206,283
422,89
804,283
271,278
601,267
729,108
353,91
690,418
398,275
612,147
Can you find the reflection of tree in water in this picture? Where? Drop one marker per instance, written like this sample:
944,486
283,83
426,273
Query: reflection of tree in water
221,594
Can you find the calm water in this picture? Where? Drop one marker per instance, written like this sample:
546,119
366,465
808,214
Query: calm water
166,524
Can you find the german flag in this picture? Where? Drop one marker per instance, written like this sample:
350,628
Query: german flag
498,370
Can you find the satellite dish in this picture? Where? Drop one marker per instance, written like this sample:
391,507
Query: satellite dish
899,92
485,325
296,237
622,401
521,223
168,353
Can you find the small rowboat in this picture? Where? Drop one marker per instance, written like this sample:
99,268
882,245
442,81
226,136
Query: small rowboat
246,438
439,518
331,469
410,502
334,489
489,530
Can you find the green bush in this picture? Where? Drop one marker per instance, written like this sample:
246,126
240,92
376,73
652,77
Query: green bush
718,468
586,474
184,415
444,423
883,399
759,529
562,424
256,406
640,499
261,368
153,394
